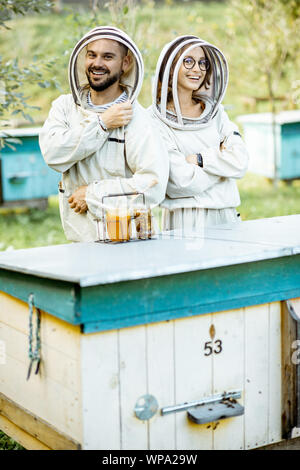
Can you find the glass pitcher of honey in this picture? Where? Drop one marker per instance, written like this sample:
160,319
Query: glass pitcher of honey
118,224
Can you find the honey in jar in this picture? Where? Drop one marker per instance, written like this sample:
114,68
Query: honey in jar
118,222
143,223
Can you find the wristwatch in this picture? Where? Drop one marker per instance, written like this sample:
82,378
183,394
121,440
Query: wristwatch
199,160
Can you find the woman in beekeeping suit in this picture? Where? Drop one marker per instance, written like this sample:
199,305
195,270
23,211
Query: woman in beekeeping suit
206,151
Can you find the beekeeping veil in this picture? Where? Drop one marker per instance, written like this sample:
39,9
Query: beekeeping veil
131,80
211,97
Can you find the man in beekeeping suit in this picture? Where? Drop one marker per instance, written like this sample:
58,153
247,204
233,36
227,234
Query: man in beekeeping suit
99,137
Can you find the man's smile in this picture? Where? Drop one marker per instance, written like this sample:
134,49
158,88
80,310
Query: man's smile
98,73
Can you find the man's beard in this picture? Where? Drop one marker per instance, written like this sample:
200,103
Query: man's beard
110,80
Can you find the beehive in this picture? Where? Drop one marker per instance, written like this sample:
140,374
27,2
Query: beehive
259,139
25,179
177,319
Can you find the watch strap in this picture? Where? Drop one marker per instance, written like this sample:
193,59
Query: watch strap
199,160
102,124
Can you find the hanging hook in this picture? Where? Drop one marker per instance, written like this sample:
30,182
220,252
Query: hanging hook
36,354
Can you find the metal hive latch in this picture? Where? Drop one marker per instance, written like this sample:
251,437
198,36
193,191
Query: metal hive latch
208,410
146,407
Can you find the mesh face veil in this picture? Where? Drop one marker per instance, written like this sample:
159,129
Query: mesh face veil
211,96
132,80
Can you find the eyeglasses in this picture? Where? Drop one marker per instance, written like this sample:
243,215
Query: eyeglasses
189,63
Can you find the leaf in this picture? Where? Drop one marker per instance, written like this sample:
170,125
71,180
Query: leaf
28,117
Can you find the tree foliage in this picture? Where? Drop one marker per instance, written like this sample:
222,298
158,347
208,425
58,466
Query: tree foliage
271,50
9,8
13,77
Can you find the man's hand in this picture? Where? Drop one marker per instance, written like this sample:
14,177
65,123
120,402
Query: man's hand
192,159
117,115
77,200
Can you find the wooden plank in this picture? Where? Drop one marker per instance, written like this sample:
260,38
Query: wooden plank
56,333
160,357
35,426
59,298
295,303
193,379
55,364
255,283
42,396
289,373
274,417
100,391
19,435
228,374
59,372
133,385
256,376
285,444
294,309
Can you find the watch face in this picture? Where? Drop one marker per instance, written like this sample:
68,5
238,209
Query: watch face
199,159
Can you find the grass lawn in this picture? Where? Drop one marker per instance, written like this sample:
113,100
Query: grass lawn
6,443
27,228
260,199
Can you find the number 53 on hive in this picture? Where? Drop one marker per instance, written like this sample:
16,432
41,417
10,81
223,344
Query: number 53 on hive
211,347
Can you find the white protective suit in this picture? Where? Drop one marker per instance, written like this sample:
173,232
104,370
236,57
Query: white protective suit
197,195
123,160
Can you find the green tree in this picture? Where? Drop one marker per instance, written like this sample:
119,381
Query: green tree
270,52
9,8
13,78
